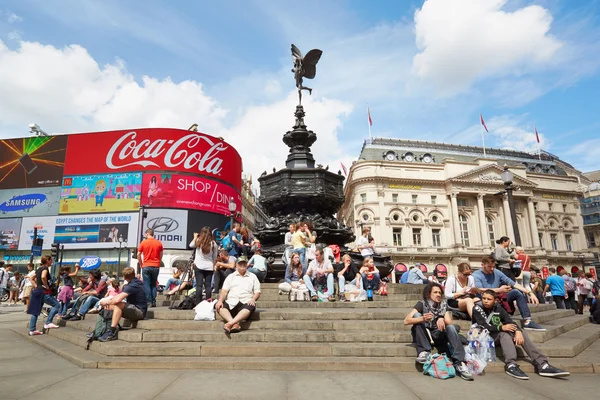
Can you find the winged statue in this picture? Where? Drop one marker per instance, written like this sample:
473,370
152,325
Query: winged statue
304,67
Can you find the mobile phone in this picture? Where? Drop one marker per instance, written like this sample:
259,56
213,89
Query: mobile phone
27,163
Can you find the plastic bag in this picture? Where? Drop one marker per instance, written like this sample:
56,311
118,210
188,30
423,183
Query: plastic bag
480,349
205,311
475,364
360,297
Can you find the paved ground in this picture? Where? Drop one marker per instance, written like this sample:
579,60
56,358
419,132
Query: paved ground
28,371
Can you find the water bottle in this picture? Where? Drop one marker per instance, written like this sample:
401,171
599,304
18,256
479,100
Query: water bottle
370,295
471,349
491,350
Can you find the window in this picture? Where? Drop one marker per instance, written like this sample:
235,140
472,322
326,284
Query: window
417,236
397,236
396,217
564,208
436,237
414,198
535,206
363,198
550,206
395,197
461,202
490,229
464,230
365,217
554,241
591,239
488,204
435,218
433,199
569,241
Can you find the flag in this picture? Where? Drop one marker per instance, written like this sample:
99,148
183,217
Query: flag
344,169
369,116
483,122
537,137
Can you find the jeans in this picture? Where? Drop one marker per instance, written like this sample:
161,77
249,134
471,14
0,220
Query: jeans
150,275
203,279
559,301
261,275
220,276
519,297
63,308
509,349
51,301
372,284
441,339
342,283
302,253
526,278
308,281
571,301
89,303
170,282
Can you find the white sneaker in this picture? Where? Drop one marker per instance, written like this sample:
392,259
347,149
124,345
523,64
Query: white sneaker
422,357
35,333
50,326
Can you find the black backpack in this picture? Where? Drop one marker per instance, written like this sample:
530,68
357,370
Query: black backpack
188,303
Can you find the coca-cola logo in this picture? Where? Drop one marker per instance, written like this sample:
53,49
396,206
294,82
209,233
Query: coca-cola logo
183,152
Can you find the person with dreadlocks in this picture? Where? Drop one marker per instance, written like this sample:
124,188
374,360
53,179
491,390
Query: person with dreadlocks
432,325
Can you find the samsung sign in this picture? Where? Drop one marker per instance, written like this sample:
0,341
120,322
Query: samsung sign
89,263
29,202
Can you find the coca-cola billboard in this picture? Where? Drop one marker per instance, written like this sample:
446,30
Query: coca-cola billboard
153,149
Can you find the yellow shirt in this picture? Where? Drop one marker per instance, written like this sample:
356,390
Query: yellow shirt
297,240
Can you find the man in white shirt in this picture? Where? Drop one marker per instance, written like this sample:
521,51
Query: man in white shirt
237,300
365,245
4,275
320,270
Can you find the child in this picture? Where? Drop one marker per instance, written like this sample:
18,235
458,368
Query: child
114,289
493,317
14,284
66,293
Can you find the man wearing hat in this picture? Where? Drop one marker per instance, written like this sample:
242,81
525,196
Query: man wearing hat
237,300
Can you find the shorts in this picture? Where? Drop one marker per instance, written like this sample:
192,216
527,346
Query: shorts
133,313
239,307
452,303
26,292
14,289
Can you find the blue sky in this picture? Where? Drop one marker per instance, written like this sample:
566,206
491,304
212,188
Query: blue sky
425,68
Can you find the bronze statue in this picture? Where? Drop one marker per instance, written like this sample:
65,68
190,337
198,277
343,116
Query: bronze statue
304,67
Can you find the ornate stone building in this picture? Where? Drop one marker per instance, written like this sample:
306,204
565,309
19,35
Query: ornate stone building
439,203
252,213
590,210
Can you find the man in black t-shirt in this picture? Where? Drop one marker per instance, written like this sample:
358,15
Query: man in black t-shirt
348,274
135,308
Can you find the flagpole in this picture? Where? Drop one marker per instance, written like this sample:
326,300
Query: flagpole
482,135
537,139
369,124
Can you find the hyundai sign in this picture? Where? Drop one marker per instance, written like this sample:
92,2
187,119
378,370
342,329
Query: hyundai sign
89,263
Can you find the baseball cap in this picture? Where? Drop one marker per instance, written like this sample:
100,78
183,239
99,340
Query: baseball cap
242,259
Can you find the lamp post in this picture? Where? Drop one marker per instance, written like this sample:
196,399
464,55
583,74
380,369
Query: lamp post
507,178
122,245
582,259
232,207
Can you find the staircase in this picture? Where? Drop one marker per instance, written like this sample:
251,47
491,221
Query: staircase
296,336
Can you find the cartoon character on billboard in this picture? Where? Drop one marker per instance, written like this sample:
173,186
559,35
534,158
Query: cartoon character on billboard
153,189
100,192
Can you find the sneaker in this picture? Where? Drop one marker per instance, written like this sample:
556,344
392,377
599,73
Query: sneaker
514,371
549,371
154,304
422,357
108,336
51,326
463,371
343,298
532,326
35,333
75,318
331,298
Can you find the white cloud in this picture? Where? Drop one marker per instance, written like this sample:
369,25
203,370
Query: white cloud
65,90
12,18
463,40
14,35
583,155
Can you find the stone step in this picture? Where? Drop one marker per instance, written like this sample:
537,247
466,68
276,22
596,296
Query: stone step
393,288
313,304
557,327
274,296
573,342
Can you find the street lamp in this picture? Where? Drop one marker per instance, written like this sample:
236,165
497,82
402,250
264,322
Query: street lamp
35,129
122,245
507,178
232,207
582,259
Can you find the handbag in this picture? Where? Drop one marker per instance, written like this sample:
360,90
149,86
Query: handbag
439,366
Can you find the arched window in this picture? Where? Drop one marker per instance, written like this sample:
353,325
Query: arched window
464,230
490,229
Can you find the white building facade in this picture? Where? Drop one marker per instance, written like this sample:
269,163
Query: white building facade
445,204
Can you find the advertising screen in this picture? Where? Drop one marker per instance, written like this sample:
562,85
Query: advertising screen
190,192
100,193
153,150
170,227
32,162
29,202
81,231
10,229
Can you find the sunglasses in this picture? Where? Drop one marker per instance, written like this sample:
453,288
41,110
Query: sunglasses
467,274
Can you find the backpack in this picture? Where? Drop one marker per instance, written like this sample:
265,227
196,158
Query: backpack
188,303
439,366
569,285
102,326
227,243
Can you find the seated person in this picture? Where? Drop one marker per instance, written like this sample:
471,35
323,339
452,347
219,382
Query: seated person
174,280
185,281
488,277
493,317
460,290
350,274
369,274
293,275
224,266
130,304
237,300
415,276
258,265
432,325
319,271
95,291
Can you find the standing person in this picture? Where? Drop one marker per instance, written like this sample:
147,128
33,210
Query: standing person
525,266
13,284
365,245
205,257
288,243
66,293
537,286
584,290
504,260
4,275
27,285
570,287
150,255
42,294
235,240
556,285
298,244
258,265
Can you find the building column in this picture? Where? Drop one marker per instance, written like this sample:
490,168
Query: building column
535,237
579,237
455,222
379,229
507,221
482,221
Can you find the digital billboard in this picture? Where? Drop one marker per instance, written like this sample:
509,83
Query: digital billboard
169,226
29,202
100,193
153,149
10,229
189,192
32,162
